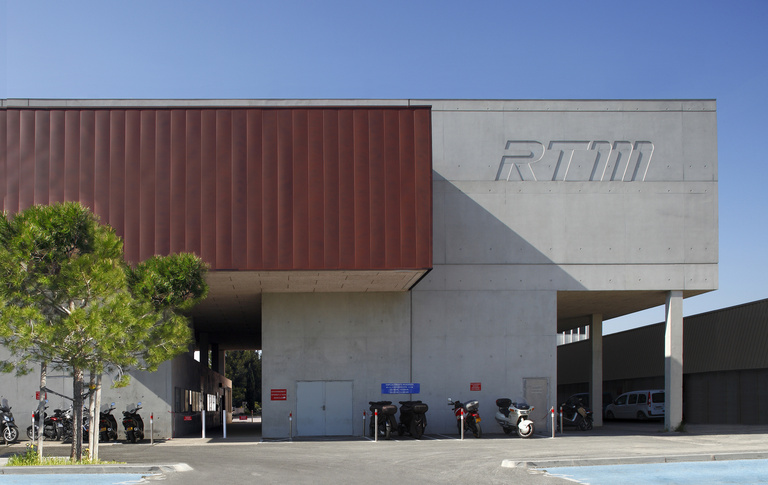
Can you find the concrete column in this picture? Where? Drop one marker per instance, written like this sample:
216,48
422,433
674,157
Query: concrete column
596,381
673,355
203,347
215,357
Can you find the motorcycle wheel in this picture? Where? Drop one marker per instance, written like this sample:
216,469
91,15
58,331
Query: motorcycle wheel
400,429
10,434
525,434
588,424
416,430
507,430
31,434
130,436
112,435
477,431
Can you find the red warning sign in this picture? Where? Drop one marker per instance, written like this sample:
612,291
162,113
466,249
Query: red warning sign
475,386
279,394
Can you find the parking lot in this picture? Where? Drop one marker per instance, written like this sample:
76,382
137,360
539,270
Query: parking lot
496,458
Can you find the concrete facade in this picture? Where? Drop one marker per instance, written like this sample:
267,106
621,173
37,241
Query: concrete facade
545,214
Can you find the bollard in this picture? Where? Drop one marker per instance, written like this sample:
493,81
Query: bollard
462,424
203,414
224,421
363,423
561,421
552,411
376,425
290,425
151,428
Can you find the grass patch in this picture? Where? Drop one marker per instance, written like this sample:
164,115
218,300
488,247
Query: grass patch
29,457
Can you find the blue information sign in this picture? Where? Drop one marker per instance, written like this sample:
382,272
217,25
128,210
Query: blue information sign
400,388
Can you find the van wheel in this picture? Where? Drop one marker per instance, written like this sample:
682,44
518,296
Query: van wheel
609,415
641,416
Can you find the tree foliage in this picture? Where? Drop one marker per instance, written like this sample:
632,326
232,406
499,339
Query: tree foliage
68,298
243,367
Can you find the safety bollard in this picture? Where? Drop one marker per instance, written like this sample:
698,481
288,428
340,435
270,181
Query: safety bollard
151,428
561,421
203,413
462,424
363,423
552,411
224,421
376,425
290,425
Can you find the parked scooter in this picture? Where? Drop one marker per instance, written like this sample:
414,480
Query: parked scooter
107,423
53,426
67,420
575,414
471,416
413,418
9,428
386,417
514,416
133,424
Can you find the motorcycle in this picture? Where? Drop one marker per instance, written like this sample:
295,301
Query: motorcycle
133,424
10,430
413,418
514,416
53,426
471,416
107,423
386,416
67,420
576,415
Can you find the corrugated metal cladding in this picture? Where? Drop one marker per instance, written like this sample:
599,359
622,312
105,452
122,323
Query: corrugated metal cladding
245,188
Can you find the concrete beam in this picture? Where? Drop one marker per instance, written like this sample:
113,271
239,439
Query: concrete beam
596,384
673,355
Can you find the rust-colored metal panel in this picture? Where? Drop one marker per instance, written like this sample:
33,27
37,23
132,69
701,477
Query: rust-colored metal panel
239,189
193,227
178,176
223,179
87,157
117,180
162,233
26,159
101,179
57,183
254,226
306,188
300,189
42,156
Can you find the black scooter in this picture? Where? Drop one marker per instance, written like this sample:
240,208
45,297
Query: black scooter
134,425
9,428
386,417
413,418
107,423
576,415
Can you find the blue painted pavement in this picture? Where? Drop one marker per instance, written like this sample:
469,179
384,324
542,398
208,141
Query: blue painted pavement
72,479
706,472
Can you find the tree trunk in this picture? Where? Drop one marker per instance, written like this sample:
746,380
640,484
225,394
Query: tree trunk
91,408
76,453
95,420
41,409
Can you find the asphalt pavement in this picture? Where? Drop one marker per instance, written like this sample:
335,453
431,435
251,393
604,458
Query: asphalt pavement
496,458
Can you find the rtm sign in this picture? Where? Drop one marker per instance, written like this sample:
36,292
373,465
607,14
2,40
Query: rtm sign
580,161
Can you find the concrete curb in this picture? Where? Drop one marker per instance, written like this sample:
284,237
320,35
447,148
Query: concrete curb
634,460
95,469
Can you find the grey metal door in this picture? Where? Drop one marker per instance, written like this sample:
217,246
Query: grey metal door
324,408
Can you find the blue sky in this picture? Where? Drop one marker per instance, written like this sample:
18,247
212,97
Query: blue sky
429,49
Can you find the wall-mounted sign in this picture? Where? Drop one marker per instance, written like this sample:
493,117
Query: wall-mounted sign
279,394
187,418
400,388
475,386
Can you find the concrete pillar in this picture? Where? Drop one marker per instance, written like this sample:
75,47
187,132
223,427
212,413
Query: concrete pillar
215,357
596,381
203,347
673,355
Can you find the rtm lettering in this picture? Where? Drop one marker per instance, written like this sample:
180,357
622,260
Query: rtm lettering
579,161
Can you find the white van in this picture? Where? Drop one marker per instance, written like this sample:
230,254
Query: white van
637,405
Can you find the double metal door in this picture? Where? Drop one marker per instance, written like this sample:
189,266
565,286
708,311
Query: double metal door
324,408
